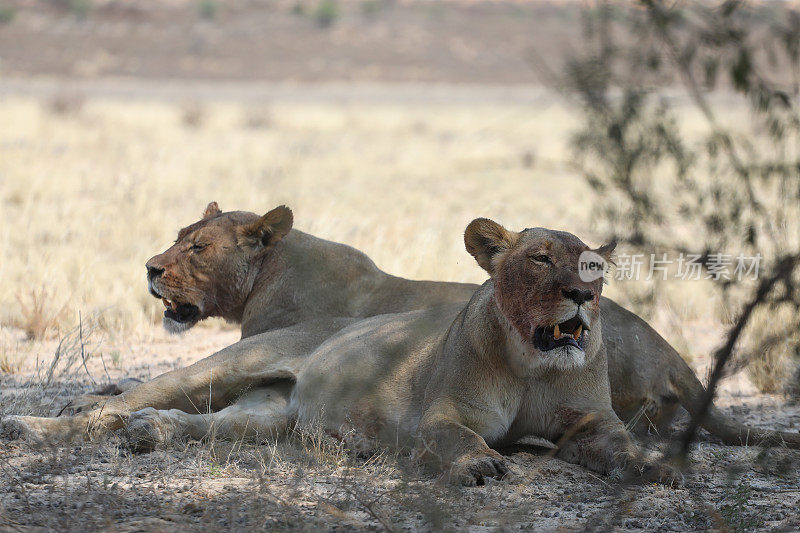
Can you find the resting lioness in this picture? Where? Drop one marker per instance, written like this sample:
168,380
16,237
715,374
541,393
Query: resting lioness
258,272
523,357
254,270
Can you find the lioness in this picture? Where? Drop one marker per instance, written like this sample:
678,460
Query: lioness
255,271
523,357
258,272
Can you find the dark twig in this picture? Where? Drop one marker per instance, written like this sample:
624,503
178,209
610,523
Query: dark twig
782,272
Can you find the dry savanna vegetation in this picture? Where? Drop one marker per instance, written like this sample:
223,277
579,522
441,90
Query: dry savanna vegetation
90,191
90,188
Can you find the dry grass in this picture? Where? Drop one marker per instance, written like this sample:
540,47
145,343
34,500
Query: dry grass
88,197
771,368
39,313
10,360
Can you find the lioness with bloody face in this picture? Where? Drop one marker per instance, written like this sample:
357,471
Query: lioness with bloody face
254,271
290,291
523,357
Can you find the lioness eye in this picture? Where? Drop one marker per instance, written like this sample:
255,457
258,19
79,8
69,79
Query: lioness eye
196,247
540,258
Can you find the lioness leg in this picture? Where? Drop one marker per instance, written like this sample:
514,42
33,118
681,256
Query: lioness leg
461,452
600,442
256,415
43,429
208,385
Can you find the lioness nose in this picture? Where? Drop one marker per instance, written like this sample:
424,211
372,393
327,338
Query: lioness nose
153,272
578,296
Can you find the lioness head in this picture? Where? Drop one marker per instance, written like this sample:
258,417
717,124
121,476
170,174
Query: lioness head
538,290
210,269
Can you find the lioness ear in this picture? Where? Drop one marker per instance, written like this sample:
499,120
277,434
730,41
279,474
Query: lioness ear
212,209
267,230
606,250
486,241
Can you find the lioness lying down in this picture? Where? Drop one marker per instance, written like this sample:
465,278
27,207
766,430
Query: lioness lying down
255,271
523,357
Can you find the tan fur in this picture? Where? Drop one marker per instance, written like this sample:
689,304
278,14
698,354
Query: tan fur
459,381
454,380
264,275
255,271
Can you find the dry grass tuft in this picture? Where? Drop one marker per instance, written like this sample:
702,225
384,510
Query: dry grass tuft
39,315
193,115
66,103
770,368
10,359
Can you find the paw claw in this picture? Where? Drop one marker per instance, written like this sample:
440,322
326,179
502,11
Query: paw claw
476,470
81,404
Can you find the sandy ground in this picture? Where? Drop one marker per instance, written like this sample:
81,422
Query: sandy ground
310,482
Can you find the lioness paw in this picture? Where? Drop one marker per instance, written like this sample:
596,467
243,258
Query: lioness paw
14,428
661,472
148,429
32,429
474,471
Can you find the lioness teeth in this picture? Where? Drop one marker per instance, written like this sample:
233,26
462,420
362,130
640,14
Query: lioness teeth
556,332
577,333
165,302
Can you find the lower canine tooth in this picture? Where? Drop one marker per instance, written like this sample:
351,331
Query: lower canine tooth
577,333
556,332
165,302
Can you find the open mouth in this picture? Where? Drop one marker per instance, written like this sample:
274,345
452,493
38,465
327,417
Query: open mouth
183,313
568,333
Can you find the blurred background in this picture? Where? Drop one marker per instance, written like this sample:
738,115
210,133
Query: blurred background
389,125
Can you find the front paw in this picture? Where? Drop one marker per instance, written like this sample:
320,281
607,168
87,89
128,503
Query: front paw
148,429
15,428
36,429
476,469
661,472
